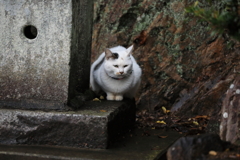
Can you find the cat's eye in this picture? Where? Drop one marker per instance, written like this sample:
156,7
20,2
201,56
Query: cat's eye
125,66
115,66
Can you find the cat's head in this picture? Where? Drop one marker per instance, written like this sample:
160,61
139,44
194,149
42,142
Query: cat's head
118,64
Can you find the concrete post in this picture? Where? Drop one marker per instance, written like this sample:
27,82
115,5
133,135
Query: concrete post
45,52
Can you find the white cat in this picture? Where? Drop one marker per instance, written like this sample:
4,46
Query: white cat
117,73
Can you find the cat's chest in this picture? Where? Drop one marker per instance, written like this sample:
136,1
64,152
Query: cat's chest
117,85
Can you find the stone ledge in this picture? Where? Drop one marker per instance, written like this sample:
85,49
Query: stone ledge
133,146
96,125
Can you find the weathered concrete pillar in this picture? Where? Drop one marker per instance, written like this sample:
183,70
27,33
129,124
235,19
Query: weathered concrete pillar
45,52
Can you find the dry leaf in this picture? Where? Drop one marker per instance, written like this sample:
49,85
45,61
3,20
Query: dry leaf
213,153
103,111
195,122
96,99
164,109
204,117
101,97
161,122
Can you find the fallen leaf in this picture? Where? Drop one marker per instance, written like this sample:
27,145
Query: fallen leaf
204,117
195,122
213,153
164,110
161,122
103,111
101,97
161,118
96,99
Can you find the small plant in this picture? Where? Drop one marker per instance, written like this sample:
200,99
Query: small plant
224,20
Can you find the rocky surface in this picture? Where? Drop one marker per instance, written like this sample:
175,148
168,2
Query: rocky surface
230,121
184,67
204,147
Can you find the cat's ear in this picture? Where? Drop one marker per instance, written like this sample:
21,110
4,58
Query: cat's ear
108,53
129,50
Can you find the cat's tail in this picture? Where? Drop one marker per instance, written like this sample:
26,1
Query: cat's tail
93,84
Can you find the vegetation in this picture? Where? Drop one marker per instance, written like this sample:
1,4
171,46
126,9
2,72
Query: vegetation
226,19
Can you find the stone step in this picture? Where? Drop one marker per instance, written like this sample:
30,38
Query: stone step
95,125
136,145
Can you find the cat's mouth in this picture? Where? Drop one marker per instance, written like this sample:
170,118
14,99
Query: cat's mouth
119,77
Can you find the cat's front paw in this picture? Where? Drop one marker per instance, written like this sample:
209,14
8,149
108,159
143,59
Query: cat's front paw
110,97
119,98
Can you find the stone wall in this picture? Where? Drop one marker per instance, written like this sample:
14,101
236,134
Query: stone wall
184,67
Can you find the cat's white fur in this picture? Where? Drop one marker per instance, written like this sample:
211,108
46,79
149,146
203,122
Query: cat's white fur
118,77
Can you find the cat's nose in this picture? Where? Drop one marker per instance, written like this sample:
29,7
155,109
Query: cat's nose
121,72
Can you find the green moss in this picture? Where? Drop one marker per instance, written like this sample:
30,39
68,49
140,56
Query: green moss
163,75
159,57
179,69
142,23
155,31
